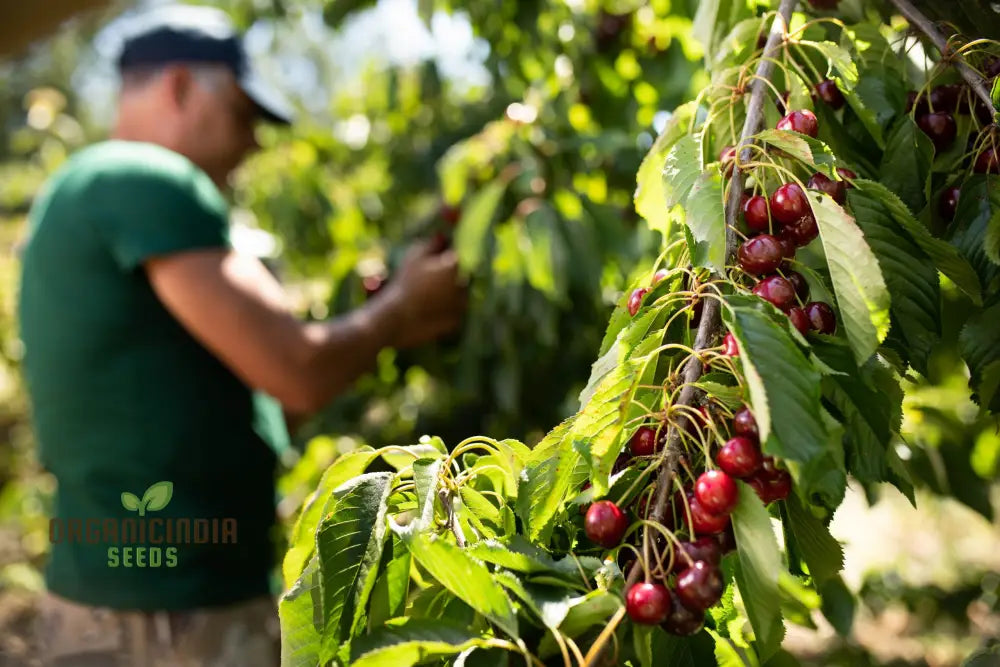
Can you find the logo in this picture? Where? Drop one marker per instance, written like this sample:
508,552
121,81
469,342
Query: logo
144,541
156,498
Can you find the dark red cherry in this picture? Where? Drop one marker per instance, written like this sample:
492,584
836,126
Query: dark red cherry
635,300
847,175
648,604
789,203
700,586
760,255
779,485
988,162
822,317
803,122
776,290
949,202
605,524
682,621
755,214
802,231
731,348
787,246
704,548
740,457
823,183
798,281
704,522
643,442
716,491
940,127
921,104
745,424
799,319
947,98
829,93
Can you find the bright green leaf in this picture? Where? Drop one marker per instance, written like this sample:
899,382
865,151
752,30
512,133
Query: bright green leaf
682,169
821,552
411,641
472,236
906,163
705,217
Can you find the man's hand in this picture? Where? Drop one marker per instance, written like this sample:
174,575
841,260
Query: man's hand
431,301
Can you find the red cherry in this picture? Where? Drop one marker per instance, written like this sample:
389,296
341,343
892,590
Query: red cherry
779,485
836,189
648,604
776,290
988,162
635,300
829,93
802,231
704,522
760,487
643,442
704,548
940,127
728,159
949,202
605,524
760,255
798,281
700,586
787,246
789,203
716,491
821,316
992,67
682,621
451,214
726,540
847,175
731,348
799,319
659,275
803,122
755,213
921,104
740,457
947,97
744,424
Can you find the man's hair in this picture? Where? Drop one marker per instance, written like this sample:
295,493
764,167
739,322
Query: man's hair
209,75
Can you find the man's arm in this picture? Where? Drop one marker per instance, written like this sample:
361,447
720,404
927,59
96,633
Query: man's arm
237,310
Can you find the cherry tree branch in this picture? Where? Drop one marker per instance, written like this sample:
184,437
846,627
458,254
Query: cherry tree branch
925,26
711,319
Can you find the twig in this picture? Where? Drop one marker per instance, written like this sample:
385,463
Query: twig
925,26
453,524
710,316
609,630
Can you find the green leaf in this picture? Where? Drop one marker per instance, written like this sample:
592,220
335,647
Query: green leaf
302,543
466,578
157,496
130,501
760,566
705,217
821,552
862,296
483,514
553,469
838,605
682,169
425,479
300,612
472,235
906,163
388,598
979,344
995,93
991,240
945,257
731,397
726,654
783,377
642,641
593,609
650,193
519,555
799,146
411,641
977,208
349,544
847,72
909,274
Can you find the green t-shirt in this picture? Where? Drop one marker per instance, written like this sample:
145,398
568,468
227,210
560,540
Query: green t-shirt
123,397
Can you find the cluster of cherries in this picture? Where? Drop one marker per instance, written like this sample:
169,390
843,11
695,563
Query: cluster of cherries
789,214
697,582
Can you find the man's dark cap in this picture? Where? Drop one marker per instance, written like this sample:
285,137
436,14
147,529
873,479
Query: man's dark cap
193,34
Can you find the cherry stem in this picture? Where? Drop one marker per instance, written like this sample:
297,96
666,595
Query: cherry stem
711,319
925,26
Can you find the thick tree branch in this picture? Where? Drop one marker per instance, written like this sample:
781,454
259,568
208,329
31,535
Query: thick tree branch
925,26
711,321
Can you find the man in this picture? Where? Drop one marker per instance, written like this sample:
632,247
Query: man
152,353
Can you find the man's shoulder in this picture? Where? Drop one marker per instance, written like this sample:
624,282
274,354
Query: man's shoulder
133,160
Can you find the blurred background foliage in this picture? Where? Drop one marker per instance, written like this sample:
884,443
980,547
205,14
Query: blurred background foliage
525,121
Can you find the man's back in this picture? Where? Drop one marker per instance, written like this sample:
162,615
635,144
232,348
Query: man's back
125,398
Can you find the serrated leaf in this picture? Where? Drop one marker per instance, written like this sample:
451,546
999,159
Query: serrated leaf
472,235
466,578
847,72
945,257
991,240
977,206
906,163
349,544
425,480
300,612
593,609
549,603
682,169
821,552
547,478
642,642
726,654
862,297
388,598
801,147
650,194
519,555
411,641
979,344
302,543
759,569
731,397
838,605
705,217
483,514
909,274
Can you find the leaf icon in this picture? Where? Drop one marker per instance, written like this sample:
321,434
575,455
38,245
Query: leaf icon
130,501
157,496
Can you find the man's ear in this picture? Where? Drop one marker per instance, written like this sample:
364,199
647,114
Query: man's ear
178,81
